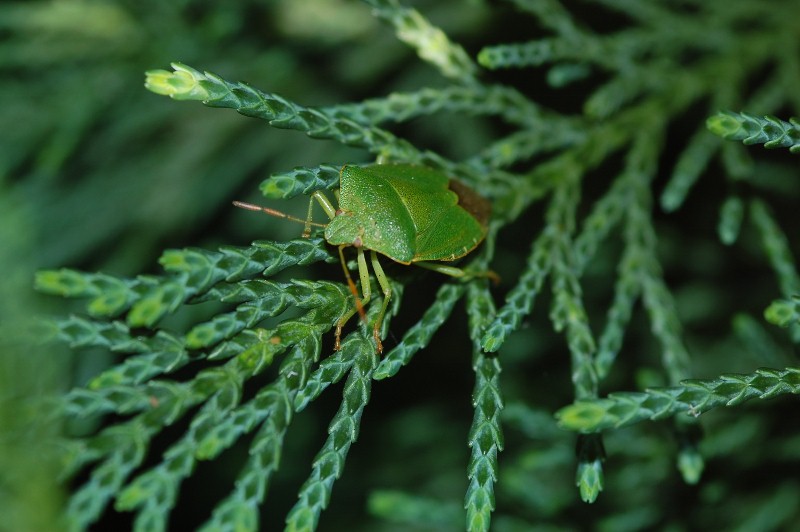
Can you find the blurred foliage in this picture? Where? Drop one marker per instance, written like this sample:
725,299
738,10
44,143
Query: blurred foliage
770,131
653,246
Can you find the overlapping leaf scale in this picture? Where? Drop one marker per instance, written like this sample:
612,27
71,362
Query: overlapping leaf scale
116,389
493,100
282,113
272,409
148,356
692,397
113,335
784,312
263,299
301,180
770,131
519,300
525,144
657,299
163,353
569,315
198,270
612,52
264,257
155,491
124,445
626,290
567,311
639,169
432,44
485,437
193,272
109,296
254,349
327,466
606,213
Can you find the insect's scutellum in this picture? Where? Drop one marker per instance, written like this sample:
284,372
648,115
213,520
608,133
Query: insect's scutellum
381,210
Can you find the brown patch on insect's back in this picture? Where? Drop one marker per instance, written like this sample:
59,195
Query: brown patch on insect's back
476,205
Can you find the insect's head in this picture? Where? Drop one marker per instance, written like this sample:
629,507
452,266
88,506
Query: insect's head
344,230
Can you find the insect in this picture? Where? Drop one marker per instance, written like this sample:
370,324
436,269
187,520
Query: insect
410,214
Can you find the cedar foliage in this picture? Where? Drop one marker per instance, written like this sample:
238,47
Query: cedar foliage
645,264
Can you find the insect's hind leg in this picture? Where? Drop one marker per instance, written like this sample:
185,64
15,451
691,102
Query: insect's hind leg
363,274
383,281
459,273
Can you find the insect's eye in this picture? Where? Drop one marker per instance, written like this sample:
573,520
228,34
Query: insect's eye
357,242
338,212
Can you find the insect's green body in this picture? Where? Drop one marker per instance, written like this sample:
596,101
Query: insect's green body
411,214
405,212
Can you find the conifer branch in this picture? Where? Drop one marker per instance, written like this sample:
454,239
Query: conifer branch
343,431
486,434
431,43
223,349
279,112
770,131
693,397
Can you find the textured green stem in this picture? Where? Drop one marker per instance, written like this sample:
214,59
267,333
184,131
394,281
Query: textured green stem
343,431
485,435
693,397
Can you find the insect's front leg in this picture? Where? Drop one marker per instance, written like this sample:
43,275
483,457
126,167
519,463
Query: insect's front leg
326,205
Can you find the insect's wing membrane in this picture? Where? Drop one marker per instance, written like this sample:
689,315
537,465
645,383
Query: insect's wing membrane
454,235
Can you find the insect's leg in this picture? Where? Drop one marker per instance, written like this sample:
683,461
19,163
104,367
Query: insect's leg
363,274
307,226
387,295
326,205
359,306
452,271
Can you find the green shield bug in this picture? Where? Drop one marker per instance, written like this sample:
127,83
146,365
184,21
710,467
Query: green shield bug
410,214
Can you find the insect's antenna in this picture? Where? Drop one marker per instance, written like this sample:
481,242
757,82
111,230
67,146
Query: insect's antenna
273,212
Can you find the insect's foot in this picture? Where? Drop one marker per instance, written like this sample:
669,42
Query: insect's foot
487,274
493,277
378,343
337,344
